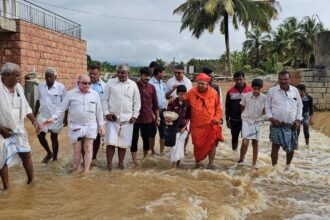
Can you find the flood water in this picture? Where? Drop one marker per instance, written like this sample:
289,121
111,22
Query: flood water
154,191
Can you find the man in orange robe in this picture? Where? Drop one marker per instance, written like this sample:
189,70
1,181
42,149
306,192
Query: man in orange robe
205,119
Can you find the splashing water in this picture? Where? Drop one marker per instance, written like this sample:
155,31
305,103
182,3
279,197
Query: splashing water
154,191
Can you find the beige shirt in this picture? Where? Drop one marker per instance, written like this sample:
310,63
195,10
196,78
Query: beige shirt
122,99
253,106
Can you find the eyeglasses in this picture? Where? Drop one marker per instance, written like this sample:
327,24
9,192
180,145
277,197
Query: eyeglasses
85,83
121,72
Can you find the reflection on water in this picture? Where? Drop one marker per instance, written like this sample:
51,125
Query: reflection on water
154,191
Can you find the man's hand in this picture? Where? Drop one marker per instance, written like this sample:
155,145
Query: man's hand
48,122
102,131
109,117
132,120
157,122
214,121
174,87
228,123
36,126
6,132
275,122
297,123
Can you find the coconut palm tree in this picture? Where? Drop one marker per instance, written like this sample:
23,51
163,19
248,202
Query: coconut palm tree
201,15
309,29
255,40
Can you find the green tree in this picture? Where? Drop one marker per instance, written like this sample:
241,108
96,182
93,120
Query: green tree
310,27
255,40
201,15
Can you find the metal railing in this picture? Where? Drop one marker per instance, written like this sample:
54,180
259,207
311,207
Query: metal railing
27,11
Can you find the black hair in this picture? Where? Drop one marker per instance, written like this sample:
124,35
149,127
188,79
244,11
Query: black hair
181,88
158,70
179,67
301,87
94,67
239,74
145,70
207,70
153,64
257,83
284,72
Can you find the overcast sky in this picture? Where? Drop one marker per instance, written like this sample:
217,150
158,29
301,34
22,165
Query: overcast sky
138,42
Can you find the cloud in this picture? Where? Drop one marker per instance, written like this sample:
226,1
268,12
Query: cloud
138,42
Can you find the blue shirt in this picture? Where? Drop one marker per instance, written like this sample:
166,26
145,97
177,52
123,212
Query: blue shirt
161,92
98,87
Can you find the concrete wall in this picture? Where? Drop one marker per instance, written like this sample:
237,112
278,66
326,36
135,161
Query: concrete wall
35,48
317,82
322,54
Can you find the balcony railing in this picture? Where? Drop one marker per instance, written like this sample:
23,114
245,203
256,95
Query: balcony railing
27,11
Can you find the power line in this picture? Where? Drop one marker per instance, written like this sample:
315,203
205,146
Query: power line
109,16
131,18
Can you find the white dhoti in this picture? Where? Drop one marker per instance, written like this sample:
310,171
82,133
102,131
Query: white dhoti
56,127
177,151
10,147
119,134
76,131
251,129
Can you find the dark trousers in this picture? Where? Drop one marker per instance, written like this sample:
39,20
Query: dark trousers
305,124
146,130
236,127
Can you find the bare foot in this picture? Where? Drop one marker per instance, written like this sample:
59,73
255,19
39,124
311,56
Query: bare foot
199,166
109,167
120,166
47,158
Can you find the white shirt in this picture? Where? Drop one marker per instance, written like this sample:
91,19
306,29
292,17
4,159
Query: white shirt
84,109
16,103
121,99
50,98
173,81
284,106
253,106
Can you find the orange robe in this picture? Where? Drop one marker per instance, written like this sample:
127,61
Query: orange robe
204,108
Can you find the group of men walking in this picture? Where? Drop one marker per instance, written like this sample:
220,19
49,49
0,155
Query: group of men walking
121,109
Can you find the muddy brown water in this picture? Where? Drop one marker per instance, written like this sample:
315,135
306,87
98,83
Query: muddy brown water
154,191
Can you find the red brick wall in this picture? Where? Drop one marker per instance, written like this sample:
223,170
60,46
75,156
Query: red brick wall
35,48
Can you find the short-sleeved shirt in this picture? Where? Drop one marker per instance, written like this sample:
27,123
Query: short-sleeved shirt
98,87
183,110
173,81
149,102
253,106
50,98
161,92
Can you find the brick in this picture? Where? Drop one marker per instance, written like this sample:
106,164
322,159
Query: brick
321,106
327,106
319,90
12,59
321,101
11,52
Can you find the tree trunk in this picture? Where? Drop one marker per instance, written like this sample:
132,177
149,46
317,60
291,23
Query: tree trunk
226,22
309,58
257,57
